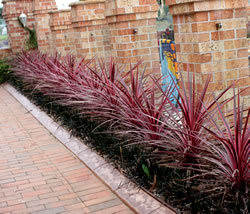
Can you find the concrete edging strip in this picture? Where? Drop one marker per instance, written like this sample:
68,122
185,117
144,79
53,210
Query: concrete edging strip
136,198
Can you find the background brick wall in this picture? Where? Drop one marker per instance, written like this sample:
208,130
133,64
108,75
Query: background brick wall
89,24
132,29
204,49
16,34
126,30
62,32
5,53
41,13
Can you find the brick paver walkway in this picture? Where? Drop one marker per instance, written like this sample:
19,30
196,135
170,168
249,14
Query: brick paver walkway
39,175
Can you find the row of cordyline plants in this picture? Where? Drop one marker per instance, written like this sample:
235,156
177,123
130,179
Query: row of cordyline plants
212,159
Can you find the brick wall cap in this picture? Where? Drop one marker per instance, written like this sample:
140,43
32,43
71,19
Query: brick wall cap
194,6
182,2
89,22
4,1
6,49
86,2
127,14
46,11
61,27
60,11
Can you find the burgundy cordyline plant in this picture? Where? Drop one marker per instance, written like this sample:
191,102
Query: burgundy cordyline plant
106,94
123,100
141,111
183,134
89,90
105,86
230,152
47,74
129,105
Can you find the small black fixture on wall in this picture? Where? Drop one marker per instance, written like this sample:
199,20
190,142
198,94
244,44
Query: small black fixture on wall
218,26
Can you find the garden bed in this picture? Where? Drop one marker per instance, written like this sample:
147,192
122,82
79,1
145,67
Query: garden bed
139,162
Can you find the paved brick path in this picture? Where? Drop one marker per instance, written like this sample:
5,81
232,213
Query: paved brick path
39,175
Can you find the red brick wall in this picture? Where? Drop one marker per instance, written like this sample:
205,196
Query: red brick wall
89,25
5,53
204,49
61,29
133,36
125,30
41,11
11,11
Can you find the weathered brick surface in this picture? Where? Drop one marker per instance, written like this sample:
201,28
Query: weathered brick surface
126,30
11,11
5,53
205,49
38,174
91,28
62,32
41,11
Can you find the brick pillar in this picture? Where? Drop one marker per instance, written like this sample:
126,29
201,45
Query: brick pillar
205,49
248,24
17,36
89,26
62,31
41,11
132,28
